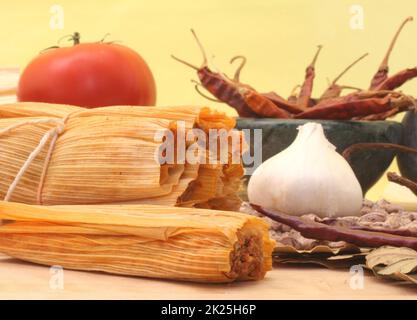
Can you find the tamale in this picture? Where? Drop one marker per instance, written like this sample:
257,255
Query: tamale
107,155
140,240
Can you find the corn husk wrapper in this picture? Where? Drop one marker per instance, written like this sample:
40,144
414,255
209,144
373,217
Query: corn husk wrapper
140,240
107,155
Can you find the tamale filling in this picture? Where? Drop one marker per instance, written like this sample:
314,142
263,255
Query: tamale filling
247,257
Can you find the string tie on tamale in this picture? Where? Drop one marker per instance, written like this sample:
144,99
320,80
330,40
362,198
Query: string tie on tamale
50,134
60,130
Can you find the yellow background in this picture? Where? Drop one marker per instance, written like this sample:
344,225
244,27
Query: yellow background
278,37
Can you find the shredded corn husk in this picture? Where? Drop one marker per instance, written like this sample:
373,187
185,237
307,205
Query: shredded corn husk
140,240
107,155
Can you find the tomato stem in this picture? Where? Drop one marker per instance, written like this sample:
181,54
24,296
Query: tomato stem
76,38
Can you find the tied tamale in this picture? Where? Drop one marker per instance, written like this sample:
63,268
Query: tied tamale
59,154
189,244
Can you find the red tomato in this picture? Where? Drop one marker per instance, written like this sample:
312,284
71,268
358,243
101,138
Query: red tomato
88,75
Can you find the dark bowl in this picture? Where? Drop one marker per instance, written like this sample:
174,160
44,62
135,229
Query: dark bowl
369,165
407,162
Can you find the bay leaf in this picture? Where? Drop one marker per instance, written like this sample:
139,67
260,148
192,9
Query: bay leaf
388,255
402,266
329,261
394,263
409,277
322,248
363,252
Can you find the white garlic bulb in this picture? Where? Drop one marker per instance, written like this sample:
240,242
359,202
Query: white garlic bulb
307,177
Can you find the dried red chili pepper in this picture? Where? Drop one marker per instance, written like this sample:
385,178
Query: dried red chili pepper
398,79
382,73
379,116
381,81
297,103
303,100
334,90
292,98
378,103
393,177
354,96
262,105
218,84
280,102
359,105
347,153
343,110
398,232
315,230
400,105
236,76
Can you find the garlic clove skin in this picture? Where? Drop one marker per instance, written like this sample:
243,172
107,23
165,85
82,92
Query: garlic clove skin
307,177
